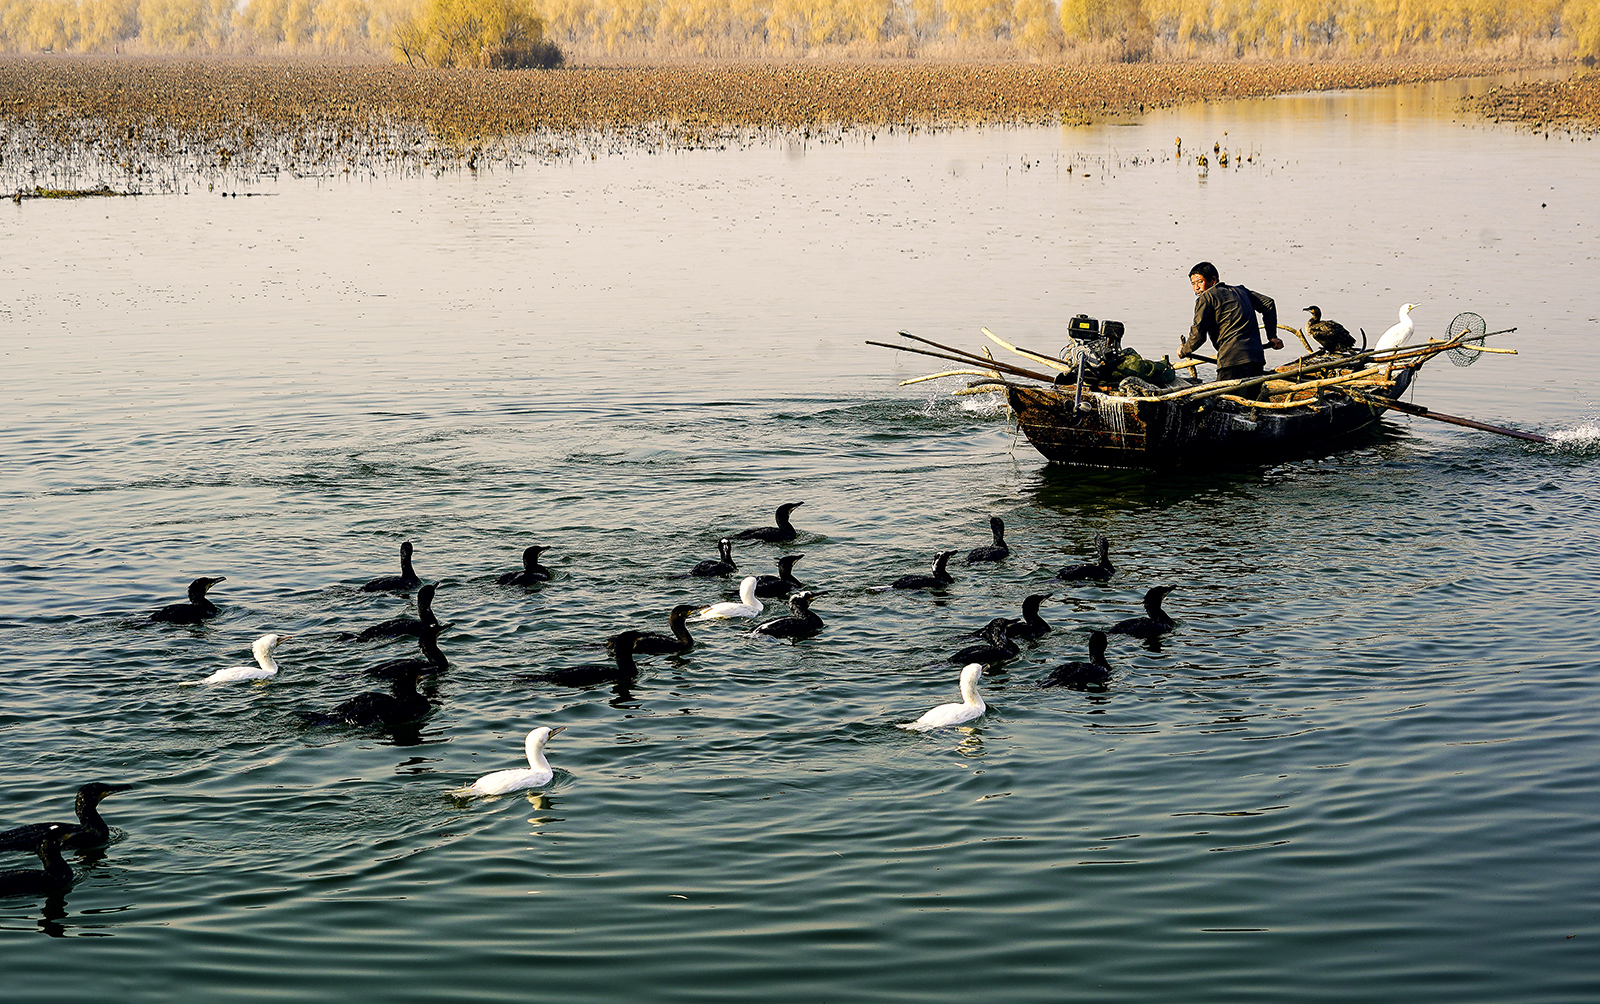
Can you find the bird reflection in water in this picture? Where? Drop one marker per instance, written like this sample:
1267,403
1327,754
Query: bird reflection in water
971,744
53,912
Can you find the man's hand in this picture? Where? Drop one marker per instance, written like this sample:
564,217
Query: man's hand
1275,342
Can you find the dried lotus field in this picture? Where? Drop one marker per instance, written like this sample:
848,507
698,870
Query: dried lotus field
1572,104
142,124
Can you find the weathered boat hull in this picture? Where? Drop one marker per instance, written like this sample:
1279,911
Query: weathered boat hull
1131,432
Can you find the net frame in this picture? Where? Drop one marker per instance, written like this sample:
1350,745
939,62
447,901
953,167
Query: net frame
1473,327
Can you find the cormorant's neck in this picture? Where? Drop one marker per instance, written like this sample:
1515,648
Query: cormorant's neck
430,650
89,815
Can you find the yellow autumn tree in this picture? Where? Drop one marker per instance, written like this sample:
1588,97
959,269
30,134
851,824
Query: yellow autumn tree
106,23
176,24
503,34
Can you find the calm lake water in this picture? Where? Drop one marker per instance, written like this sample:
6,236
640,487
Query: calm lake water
1362,768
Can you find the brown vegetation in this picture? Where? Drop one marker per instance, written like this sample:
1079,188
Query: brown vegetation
1545,104
145,122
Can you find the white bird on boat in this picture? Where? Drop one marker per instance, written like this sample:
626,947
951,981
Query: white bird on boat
748,605
266,666
536,775
1397,335
971,705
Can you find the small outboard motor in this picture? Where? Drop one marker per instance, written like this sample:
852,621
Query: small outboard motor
1111,331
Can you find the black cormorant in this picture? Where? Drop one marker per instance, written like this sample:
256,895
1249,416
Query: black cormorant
938,580
996,650
801,622
89,831
55,877
406,580
532,572
1082,675
1154,624
432,661
402,706
624,672
1031,625
784,582
396,626
998,551
197,609
773,534
1331,335
721,565
656,643
1097,572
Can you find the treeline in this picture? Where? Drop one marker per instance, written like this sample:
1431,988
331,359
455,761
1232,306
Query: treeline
472,32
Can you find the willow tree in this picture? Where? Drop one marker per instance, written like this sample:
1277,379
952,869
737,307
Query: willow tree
485,33
1124,22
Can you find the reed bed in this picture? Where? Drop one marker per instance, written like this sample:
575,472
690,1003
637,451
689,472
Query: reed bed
156,124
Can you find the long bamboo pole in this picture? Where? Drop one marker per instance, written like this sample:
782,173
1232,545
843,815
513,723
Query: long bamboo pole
965,357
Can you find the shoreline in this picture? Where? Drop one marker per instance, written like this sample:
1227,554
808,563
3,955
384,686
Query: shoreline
152,119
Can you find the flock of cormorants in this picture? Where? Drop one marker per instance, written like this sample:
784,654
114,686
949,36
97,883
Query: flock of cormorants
405,705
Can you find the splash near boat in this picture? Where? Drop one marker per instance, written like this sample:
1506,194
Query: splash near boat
1099,404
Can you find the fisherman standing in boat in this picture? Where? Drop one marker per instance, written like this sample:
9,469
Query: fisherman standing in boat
1227,315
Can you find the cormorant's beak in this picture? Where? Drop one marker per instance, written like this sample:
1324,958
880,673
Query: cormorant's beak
112,789
558,728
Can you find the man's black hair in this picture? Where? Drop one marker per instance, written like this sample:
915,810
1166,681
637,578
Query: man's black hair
1206,271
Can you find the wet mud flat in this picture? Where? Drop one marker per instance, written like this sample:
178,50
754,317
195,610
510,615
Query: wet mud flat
147,123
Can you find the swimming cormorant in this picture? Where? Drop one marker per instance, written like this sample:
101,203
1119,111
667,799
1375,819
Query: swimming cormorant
432,661
400,707
536,775
89,831
722,565
406,580
655,643
266,666
782,584
1154,624
532,572
396,626
55,877
197,609
1331,335
1082,675
996,650
747,606
938,580
1031,625
1097,572
971,705
998,551
773,534
624,672
801,622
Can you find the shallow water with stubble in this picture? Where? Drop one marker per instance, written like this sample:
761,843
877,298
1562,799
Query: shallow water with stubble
1361,768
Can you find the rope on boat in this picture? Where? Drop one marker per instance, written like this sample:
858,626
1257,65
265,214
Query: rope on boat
1113,413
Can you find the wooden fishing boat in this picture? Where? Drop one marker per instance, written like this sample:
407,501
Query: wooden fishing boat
1110,430
1318,403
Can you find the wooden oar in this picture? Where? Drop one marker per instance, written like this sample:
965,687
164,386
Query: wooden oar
1421,412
